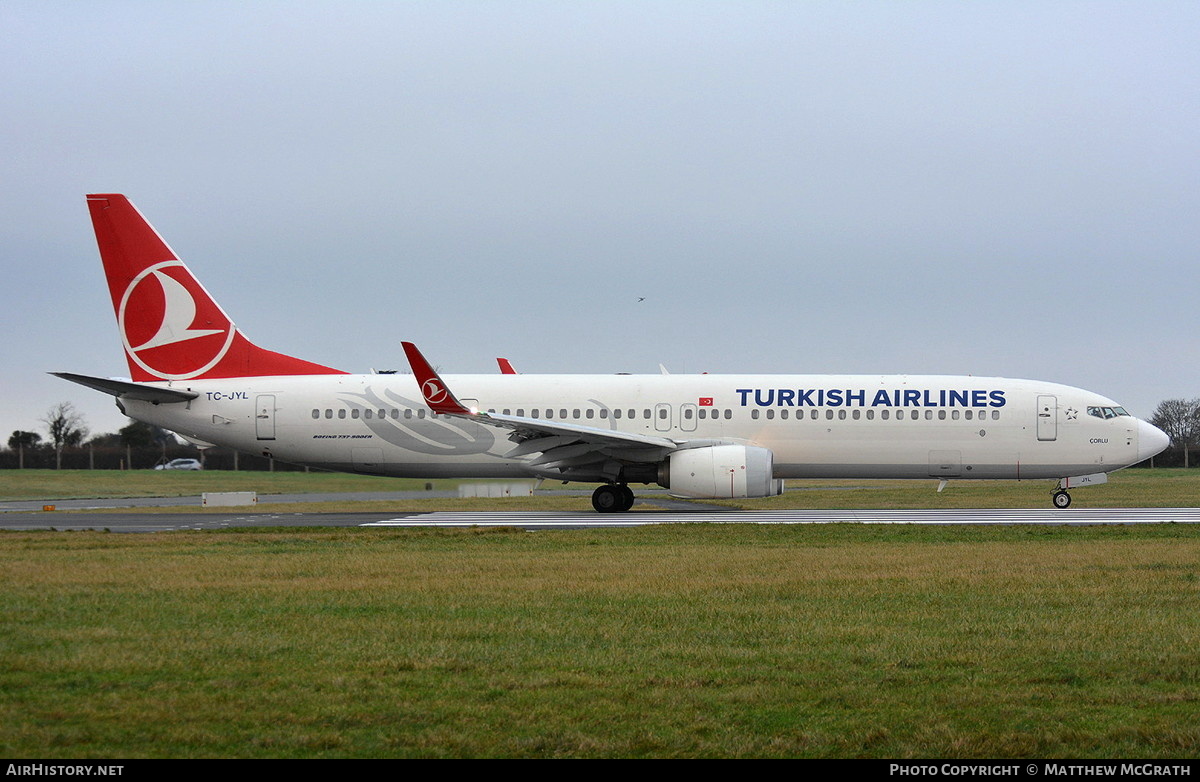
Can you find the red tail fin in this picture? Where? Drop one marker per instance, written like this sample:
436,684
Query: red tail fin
171,327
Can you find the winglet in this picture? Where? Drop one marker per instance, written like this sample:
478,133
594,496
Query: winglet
437,395
506,367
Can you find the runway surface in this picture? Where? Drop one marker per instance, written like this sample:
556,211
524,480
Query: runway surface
165,522
544,520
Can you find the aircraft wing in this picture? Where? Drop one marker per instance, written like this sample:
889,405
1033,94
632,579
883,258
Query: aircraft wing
562,446
127,390
532,428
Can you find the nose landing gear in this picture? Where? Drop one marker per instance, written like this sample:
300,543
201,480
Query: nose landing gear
1060,496
612,498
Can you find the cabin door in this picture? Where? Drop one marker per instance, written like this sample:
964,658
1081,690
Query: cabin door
1047,418
264,416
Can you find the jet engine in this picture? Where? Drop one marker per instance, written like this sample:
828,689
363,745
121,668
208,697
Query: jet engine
720,471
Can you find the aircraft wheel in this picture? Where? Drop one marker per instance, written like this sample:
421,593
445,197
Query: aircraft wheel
608,499
1062,499
627,498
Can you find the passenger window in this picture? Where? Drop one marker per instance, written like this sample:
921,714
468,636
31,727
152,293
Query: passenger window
589,413
575,413
328,413
771,415
856,414
828,415
954,415
995,415
604,413
884,414
841,415
754,414
728,414
316,413
562,413
617,413
342,412
783,414
367,414
968,414
941,415
408,413
814,415
870,415
928,415
420,414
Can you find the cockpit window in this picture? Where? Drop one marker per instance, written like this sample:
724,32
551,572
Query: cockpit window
1106,412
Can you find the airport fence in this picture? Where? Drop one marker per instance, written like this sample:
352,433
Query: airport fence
146,458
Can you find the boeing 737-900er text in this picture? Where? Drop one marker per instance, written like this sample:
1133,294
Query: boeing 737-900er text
705,436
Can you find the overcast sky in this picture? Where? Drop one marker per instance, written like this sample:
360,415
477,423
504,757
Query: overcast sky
982,188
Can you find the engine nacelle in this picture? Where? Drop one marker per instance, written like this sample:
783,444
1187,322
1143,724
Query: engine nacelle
720,472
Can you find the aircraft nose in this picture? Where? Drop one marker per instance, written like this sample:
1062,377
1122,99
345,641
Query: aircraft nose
1151,440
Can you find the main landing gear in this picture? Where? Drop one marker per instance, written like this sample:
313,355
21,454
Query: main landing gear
1061,499
612,498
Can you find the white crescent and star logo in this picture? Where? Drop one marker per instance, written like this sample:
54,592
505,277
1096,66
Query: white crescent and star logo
170,326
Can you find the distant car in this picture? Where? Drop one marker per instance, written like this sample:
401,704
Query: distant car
180,464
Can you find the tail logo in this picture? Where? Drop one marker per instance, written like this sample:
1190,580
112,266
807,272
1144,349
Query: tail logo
434,392
170,325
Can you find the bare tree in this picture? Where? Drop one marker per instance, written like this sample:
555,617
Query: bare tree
1180,420
66,427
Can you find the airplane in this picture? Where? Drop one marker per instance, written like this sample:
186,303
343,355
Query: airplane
192,371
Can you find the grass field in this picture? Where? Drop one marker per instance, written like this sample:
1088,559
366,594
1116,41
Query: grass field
675,641
1164,488
90,484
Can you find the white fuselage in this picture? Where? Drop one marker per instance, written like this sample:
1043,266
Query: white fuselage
817,426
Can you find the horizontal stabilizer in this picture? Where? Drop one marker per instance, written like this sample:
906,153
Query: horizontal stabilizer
126,390
201,444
